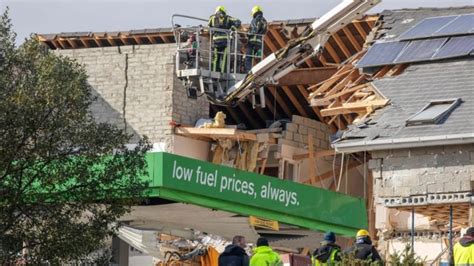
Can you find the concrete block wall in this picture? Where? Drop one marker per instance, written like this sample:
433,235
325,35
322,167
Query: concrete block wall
421,171
296,133
139,83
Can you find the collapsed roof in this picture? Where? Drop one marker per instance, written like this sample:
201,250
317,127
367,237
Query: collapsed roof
432,101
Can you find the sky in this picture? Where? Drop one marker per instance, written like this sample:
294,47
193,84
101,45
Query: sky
54,16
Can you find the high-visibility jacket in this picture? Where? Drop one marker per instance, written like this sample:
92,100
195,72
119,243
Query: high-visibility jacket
258,27
326,255
265,256
464,252
225,22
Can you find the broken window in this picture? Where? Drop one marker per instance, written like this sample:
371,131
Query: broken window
433,112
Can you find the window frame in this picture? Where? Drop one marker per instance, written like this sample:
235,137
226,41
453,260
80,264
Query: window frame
435,120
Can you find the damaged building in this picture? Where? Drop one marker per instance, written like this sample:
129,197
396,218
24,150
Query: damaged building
383,114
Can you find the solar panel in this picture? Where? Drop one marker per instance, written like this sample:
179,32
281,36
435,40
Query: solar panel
461,25
426,28
420,50
456,46
381,54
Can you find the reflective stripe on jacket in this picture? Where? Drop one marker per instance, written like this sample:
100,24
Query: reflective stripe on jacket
224,22
332,260
257,26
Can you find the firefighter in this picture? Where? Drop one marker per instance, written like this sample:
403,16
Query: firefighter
363,248
328,253
220,20
258,27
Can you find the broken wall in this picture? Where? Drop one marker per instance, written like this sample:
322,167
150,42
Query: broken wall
421,171
405,175
137,89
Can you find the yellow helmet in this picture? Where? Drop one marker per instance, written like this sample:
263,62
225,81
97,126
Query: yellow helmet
221,9
362,232
256,9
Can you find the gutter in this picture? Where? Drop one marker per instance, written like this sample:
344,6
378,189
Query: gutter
401,143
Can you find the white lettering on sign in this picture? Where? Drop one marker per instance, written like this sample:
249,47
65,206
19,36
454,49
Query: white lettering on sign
182,173
234,184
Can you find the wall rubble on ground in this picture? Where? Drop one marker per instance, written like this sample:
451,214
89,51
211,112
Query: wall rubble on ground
139,82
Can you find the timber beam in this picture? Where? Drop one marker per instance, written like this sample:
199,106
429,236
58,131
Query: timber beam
306,76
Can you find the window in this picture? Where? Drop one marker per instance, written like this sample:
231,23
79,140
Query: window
433,112
290,171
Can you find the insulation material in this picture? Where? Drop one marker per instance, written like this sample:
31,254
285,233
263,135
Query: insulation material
221,152
218,154
252,156
240,162
219,121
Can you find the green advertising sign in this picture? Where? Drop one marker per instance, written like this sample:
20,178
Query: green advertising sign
219,187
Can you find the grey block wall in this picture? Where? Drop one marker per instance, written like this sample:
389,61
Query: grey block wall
421,171
139,83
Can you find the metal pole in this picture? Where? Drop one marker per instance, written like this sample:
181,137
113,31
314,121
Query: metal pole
451,233
236,40
210,50
413,229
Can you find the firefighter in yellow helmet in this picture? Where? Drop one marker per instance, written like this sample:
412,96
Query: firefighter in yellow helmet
258,27
464,249
221,21
363,248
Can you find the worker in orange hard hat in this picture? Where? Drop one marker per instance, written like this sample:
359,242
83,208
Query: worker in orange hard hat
258,27
363,248
219,22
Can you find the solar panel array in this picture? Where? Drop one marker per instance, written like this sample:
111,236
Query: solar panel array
382,54
440,26
431,39
419,50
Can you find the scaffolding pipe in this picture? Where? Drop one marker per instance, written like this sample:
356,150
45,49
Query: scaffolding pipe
450,233
413,230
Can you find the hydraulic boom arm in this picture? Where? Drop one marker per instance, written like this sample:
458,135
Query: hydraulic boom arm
297,51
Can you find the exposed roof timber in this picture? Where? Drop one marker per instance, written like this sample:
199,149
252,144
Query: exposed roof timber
440,212
289,92
274,91
356,107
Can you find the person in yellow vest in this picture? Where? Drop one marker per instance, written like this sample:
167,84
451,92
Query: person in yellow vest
328,253
220,20
464,249
263,255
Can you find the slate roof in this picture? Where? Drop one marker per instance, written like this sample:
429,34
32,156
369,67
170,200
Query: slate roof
412,90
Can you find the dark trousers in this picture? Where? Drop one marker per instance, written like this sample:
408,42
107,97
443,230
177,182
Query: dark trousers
253,50
219,58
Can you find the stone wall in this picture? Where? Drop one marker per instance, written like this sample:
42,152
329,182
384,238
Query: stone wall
138,83
296,133
421,171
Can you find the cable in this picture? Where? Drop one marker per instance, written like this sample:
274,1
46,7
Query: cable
340,172
334,170
347,170
274,104
365,176
125,93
